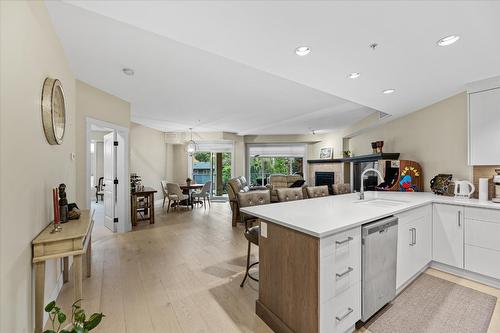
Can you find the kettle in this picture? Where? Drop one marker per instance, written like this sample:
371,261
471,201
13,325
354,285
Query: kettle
464,188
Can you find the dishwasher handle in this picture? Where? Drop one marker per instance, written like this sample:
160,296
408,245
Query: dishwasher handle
379,226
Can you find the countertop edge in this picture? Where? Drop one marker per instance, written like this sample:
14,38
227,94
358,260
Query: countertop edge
438,200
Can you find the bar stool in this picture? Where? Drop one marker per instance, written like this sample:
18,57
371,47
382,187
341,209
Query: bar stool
252,232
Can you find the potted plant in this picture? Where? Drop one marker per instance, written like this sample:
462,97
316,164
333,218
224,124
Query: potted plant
188,181
79,321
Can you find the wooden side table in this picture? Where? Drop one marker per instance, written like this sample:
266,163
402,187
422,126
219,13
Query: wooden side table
148,193
73,240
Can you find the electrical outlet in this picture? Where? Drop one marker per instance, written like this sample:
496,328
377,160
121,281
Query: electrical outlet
263,229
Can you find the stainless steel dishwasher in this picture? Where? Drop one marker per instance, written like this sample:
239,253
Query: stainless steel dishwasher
378,274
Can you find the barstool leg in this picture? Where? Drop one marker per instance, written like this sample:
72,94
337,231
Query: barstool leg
248,266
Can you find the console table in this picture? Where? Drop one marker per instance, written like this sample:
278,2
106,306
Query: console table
73,240
148,194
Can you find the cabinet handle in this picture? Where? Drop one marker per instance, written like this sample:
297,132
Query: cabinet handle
348,239
349,311
411,236
347,271
459,218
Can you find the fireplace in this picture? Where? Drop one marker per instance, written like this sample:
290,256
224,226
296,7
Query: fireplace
324,178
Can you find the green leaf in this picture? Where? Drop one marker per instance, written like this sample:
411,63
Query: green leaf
80,316
49,331
61,317
50,306
64,331
93,321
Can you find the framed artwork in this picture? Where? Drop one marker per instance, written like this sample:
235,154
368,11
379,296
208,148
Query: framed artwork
326,153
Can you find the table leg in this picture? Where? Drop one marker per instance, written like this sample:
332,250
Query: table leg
152,211
65,269
77,269
88,257
39,295
134,210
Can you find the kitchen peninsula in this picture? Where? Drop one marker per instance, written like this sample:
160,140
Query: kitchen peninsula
310,252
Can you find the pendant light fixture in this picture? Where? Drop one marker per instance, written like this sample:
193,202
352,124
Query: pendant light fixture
191,145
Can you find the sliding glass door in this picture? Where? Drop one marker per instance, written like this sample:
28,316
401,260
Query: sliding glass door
214,167
265,160
213,161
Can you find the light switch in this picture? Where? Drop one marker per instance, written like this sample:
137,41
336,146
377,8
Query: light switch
263,229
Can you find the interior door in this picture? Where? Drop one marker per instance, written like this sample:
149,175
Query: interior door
109,181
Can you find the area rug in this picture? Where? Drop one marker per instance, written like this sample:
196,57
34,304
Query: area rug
434,305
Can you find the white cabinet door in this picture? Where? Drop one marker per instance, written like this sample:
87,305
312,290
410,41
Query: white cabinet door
414,242
484,127
448,235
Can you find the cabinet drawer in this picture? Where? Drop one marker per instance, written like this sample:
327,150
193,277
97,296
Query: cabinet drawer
341,245
342,312
336,276
482,261
482,214
483,234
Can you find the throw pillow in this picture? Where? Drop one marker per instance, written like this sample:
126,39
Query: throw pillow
298,183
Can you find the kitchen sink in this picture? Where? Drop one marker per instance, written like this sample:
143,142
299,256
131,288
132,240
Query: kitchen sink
382,202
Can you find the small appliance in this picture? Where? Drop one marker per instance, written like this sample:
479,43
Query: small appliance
464,188
496,181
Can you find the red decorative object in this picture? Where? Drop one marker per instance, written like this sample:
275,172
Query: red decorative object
56,206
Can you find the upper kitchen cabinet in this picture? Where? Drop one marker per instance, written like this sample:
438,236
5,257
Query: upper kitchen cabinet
484,122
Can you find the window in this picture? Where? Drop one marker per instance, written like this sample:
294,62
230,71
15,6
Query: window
265,160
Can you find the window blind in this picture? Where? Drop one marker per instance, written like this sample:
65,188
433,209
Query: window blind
276,150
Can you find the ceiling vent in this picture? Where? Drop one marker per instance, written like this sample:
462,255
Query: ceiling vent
174,138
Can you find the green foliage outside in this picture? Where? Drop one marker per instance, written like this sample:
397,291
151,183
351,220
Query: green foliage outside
273,165
226,166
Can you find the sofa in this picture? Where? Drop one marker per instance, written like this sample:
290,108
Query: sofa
236,188
282,181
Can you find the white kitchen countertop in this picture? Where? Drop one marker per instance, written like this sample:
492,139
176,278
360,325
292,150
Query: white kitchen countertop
321,217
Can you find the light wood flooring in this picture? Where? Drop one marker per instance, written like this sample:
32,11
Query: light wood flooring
182,274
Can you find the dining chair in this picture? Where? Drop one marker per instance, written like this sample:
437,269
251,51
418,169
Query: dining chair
175,194
317,191
290,194
203,193
99,190
164,190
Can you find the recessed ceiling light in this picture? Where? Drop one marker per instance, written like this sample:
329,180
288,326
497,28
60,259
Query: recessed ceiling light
302,51
388,91
445,41
128,71
353,75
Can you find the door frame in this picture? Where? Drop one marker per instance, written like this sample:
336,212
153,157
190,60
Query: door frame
123,188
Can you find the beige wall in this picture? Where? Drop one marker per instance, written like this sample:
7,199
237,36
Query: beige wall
94,103
435,136
30,167
148,155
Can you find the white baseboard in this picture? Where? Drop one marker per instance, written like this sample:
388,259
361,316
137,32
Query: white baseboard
489,281
407,283
53,295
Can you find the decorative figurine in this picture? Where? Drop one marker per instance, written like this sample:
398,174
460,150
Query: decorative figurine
63,204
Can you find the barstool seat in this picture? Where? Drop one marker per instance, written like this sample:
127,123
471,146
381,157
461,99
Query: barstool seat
252,234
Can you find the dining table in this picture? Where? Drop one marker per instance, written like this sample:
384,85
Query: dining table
188,189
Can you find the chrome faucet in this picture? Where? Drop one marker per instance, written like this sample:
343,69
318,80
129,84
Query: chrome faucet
362,189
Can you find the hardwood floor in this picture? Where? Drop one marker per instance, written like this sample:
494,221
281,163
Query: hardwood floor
182,274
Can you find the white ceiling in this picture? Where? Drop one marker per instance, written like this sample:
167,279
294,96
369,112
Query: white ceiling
231,64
